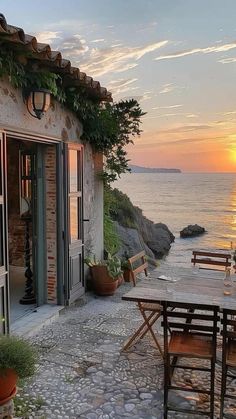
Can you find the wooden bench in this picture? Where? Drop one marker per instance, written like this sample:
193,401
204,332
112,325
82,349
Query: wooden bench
138,264
214,260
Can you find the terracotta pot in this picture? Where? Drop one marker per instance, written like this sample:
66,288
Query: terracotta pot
120,280
127,275
8,380
103,283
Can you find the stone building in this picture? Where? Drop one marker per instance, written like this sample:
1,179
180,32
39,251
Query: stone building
51,199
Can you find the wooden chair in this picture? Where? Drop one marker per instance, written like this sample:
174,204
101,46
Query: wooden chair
138,264
228,353
150,312
214,260
189,334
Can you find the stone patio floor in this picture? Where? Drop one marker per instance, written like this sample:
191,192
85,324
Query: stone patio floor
83,374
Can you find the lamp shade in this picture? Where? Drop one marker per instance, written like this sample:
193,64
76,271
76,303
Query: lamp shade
38,102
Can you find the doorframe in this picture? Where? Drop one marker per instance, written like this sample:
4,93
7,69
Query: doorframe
61,236
40,228
6,303
44,140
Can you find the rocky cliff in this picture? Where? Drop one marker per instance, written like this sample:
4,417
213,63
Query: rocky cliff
135,231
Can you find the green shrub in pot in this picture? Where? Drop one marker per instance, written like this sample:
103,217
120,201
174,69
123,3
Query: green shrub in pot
17,360
106,274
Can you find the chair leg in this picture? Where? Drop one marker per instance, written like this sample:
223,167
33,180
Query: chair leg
166,384
140,332
149,321
212,389
223,389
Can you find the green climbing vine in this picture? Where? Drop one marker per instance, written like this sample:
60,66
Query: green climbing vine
108,127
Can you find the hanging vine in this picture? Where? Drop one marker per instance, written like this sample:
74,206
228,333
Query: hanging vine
109,128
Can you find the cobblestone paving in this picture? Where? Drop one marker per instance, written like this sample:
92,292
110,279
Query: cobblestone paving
83,374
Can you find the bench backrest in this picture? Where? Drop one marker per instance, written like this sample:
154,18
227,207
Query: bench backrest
138,264
214,260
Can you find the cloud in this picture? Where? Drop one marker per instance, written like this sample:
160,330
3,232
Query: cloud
116,59
186,128
206,50
183,141
229,113
191,115
95,41
47,37
167,115
227,60
167,88
121,85
167,107
73,46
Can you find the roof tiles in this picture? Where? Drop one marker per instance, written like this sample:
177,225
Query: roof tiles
47,58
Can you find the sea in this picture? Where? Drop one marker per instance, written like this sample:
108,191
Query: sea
180,199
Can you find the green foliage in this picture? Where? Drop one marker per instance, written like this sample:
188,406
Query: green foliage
111,238
109,128
25,406
120,208
17,354
113,264
11,68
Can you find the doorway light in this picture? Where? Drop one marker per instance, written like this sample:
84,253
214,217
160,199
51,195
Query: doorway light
37,101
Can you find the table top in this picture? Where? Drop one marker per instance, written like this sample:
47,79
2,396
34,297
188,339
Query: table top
188,288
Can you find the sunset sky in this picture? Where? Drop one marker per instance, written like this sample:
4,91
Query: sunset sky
176,57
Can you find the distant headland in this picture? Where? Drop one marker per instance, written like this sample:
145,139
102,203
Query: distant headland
140,169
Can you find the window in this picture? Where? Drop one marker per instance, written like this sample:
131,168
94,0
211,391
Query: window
75,193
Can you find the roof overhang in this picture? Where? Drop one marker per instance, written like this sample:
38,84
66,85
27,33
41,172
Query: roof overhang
41,57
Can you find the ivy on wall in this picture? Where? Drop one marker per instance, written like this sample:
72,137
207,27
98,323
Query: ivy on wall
108,127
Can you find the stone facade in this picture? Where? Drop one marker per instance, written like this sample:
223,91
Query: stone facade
60,125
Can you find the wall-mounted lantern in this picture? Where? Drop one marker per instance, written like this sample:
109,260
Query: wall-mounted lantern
37,101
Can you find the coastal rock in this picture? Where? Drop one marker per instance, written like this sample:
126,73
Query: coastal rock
155,239
137,232
132,242
192,231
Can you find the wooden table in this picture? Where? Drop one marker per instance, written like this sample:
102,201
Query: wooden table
198,289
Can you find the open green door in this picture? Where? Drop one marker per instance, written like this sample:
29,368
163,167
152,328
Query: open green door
4,281
74,221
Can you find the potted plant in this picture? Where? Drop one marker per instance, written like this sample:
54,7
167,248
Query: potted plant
106,274
17,360
126,270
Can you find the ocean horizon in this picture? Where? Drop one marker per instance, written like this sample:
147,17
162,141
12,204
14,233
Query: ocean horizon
179,199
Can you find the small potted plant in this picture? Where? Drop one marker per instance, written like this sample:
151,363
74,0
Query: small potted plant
17,360
126,268
106,274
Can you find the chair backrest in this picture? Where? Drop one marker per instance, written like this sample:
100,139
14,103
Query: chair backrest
214,260
190,318
229,324
138,264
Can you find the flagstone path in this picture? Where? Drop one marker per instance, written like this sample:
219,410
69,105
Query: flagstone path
83,374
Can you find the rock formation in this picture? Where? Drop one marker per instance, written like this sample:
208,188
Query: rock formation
138,233
192,231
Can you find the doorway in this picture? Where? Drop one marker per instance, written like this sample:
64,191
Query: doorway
31,224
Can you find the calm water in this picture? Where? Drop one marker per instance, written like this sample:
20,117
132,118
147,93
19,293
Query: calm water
187,198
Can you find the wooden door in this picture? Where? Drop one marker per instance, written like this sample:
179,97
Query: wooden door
74,221
4,279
